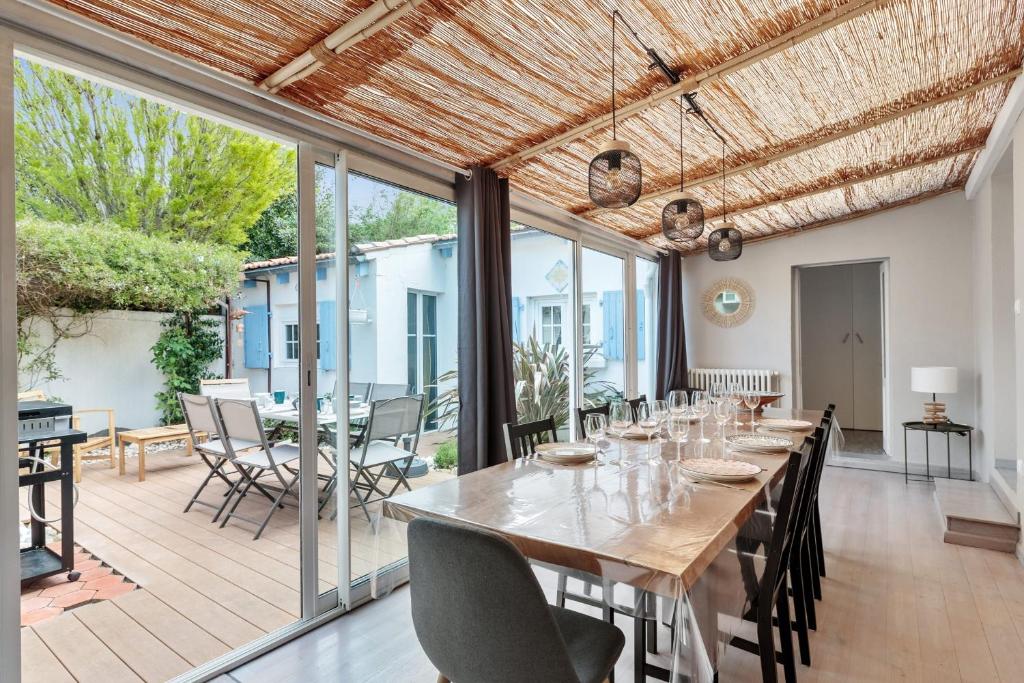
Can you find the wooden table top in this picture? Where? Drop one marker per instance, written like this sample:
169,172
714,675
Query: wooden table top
638,522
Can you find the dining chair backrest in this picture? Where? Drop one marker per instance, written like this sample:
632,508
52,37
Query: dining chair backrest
241,422
380,392
225,388
581,413
200,416
478,610
361,390
805,496
522,439
395,418
784,529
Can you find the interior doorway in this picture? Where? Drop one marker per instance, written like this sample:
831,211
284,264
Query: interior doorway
841,351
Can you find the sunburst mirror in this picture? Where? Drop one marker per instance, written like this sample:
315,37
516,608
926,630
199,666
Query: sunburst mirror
728,302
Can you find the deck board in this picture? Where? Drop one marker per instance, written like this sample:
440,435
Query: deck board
39,664
189,640
85,656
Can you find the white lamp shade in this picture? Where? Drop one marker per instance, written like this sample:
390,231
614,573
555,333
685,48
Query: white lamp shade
935,380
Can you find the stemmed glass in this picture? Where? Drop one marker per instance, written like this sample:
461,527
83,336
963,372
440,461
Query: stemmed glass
596,424
661,412
717,392
620,419
736,397
750,400
723,411
701,409
677,401
678,430
647,421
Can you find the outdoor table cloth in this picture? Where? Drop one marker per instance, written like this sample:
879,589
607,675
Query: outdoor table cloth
635,523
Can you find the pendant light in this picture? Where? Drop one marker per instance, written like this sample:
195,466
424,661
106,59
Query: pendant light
725,243
682,219
615,175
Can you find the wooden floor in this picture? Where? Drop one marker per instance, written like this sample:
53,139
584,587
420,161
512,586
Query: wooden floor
203,591
899,604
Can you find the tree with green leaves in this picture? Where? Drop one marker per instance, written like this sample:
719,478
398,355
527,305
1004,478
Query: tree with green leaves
276,232
86,153
391,216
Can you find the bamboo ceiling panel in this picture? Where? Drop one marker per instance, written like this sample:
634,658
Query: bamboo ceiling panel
471,82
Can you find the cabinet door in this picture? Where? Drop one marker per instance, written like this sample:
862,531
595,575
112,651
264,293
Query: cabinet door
826,339
867,346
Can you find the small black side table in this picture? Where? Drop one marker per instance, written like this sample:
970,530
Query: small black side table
946,428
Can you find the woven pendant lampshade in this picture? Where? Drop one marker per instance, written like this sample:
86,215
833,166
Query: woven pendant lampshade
682,219
725,243
615,176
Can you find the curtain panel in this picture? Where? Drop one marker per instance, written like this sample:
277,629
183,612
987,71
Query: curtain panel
671,331
486,383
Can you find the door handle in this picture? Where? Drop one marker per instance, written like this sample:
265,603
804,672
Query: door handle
845,338
859,338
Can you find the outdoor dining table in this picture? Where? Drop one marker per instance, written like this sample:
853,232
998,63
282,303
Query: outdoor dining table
633,521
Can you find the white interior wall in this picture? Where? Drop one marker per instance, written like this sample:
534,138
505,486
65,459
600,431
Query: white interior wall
928,246
985,394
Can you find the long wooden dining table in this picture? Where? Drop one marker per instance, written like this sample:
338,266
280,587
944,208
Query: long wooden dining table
630,518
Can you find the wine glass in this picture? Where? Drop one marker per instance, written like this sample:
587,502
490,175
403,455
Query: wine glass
596,424
717,392
750,400
661,411
647,422
736,397
701,409
620,419
678,430
723,411
677,401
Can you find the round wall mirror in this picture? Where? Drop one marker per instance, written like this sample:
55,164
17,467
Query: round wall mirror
728,302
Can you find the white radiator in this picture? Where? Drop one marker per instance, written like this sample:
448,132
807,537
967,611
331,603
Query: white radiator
751,380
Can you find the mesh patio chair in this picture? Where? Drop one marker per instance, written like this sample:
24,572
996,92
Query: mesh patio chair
225,388
201,419
273,464
382,392
391,422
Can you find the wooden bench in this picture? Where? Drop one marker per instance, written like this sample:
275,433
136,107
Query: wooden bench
149,437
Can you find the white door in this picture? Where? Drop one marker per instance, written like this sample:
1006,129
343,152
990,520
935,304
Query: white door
867,346
825,334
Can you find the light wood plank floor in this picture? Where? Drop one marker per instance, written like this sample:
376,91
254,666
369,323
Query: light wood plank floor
899,605
203,590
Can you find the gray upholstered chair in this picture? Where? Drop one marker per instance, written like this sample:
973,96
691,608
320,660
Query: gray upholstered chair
481,616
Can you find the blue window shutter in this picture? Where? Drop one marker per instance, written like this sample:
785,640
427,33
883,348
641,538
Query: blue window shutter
611,305
249,284
257,341
282,278
328,349
517,329
641,324
321,273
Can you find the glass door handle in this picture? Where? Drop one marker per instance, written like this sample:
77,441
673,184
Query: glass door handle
859,338
845,338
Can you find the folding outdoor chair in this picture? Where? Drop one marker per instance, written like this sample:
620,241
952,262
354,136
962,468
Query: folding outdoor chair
241,422
391,421
201,418
225,388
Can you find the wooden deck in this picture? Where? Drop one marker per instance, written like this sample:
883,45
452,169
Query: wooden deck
203,590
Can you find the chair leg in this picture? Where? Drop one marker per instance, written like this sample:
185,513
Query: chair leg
800,598
813,575
766,649
560,590
650,612
818,542
238,499
273,508
639,649
785,634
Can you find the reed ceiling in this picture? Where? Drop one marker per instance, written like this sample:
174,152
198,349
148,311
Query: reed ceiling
873,104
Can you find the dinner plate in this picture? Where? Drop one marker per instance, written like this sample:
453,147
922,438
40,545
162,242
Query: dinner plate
759,442
566,453
635,432
716,469
783,425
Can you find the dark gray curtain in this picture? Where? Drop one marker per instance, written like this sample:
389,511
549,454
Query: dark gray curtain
486,383
671,334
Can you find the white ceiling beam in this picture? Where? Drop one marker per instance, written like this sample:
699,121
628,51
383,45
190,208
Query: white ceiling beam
998,138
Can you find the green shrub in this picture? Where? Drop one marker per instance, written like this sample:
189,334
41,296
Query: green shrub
447,456
183,353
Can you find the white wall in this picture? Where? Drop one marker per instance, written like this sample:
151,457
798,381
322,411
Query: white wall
112,367
928,246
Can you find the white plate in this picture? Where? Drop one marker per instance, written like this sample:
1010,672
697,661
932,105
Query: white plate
635,432
779,424
566,453
719,470
759,442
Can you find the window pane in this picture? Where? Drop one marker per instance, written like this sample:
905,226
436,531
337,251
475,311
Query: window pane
542,278
604,376
429,314
647,325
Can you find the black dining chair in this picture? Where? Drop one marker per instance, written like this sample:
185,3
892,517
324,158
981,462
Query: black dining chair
522,439
481,615
770,597
827,424
581,413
